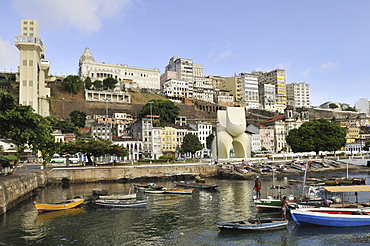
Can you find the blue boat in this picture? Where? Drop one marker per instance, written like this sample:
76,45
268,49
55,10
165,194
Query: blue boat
252,225
337,217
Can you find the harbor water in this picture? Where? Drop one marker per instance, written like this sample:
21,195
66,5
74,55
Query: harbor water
167,220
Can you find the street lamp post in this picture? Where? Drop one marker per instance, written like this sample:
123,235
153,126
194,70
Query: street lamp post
151,130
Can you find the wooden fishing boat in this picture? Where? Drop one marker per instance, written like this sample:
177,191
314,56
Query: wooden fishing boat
252,225
154,191
203,186
122,203
99,192
119,197
55,206
178,191
338,217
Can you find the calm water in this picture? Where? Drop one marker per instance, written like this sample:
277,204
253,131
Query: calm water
168,220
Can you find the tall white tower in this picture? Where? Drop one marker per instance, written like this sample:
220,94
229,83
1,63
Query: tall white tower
33,68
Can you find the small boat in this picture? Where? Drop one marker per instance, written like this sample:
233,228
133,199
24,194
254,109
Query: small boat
337,217
122,203
178,191
119,197
203,186
147,186
252,225
99,192
154,191
63,205
268,205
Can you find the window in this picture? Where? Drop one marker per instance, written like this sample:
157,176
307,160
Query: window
24,62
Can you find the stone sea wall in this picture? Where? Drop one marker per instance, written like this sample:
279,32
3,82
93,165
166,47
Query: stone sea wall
17,188
128,173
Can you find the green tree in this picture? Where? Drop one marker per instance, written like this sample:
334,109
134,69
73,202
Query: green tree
92,148
333,105
78,118
98,85
72,83
209,140
351,109
366,146
88,83
62,125
166,110
109,83
23,127
317,135
191,144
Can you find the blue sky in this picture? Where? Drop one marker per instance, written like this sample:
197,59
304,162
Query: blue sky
324,43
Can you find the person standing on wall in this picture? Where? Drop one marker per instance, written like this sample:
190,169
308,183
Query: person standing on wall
257,187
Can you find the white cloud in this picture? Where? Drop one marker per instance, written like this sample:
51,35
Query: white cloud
228,54
308,72
9,56
85,15
284,65
328,66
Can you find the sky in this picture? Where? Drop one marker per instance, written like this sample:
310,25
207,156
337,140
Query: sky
324,43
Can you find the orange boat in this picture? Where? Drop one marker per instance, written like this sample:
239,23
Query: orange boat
63,205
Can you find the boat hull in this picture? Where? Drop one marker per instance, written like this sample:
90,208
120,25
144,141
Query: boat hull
179,191
332,217
251,226
196,185
47,207
121,204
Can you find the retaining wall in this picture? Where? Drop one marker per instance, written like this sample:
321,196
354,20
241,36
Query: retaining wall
17,188
128,173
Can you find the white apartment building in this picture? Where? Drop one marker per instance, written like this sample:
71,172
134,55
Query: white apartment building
203,90
176,89
33,68
250,90
298,95
363,106
267,97
204,129
140,77
223,97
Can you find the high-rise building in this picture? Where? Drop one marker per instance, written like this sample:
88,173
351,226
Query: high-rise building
234,84
267,97
277,78
363,106
250,90
298,95
33,68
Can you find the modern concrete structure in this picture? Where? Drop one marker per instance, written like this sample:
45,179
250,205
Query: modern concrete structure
130,77
298,95
231,126
33,68
277,78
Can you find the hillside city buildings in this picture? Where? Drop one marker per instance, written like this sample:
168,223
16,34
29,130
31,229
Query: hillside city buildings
182,81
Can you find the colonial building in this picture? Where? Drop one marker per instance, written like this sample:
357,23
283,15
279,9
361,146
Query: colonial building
33,68
139,77
204,129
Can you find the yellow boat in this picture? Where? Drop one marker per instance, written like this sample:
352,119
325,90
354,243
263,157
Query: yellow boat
63,205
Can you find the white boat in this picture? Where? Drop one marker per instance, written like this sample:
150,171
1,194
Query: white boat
119,197
252,225
122,203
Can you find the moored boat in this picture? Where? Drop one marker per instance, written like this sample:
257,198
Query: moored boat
252,225
154,191
119,197
99,192
178,191
62,205
122,203
188,184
